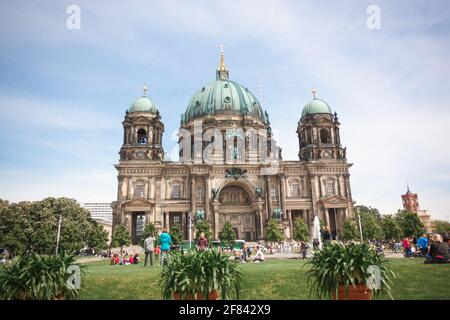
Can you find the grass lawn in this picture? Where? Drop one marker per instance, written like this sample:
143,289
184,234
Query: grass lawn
273,279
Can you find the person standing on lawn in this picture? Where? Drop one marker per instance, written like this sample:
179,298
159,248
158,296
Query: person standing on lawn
166,240
202,242
149,245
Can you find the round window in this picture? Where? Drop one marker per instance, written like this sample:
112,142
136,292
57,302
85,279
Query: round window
227,99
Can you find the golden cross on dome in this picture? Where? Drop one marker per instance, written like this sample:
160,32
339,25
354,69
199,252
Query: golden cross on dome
222,59
314,91
145,89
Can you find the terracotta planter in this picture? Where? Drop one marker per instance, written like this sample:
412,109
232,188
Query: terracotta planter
359,292
213,295
177,296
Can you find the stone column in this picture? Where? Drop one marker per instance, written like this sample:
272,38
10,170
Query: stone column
283,196
216,220
207,194
327,218
192,196
269,197
289,213
183,225
166,220
261,221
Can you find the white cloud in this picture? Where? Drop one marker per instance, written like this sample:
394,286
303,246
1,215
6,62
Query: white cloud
389,86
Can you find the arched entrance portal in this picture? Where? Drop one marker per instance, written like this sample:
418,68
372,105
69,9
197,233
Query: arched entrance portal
236,207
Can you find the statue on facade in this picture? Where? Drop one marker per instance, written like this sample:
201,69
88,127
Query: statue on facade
215,192
259,192
277,213
200,214
267,117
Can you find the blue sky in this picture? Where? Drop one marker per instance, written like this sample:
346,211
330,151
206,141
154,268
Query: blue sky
63,93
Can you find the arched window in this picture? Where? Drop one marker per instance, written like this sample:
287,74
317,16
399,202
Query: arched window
295,189
325,136
139,189
142,136
176,191
329,187
199,193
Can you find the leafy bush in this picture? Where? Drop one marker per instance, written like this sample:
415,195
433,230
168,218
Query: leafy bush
338,264
35,277
227,235
200,273
301,230
350,230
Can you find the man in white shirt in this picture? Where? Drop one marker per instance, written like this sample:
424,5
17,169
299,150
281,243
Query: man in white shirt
149,246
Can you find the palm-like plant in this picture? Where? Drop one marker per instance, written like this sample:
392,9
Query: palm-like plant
35,277
198,274
346,265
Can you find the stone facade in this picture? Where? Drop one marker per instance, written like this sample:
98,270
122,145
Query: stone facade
231,169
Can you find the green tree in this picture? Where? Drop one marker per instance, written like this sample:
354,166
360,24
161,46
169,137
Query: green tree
390,228
273,231
32,226
227,235
410,223
149,229
175,233
370,226
203,226
442,226
121,237
372,211
97,237
300,230
350,230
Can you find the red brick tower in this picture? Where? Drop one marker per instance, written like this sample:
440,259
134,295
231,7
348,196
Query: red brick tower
410,201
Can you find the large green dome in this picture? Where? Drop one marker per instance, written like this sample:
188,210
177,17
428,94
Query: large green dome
222,96
143,104
316,106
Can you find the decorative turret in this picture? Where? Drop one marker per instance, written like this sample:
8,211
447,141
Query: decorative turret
318,132
143,131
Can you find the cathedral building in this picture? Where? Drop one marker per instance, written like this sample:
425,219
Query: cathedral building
230,167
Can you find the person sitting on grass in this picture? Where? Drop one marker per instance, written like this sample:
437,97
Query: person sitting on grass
438,251
136,258
115,259
238,256
422,243
407,247
131,259
259,257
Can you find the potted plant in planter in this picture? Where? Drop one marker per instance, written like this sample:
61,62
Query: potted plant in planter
342,272
200,275
221,276
36,277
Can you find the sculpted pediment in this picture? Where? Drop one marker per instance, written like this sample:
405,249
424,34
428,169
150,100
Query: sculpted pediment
137,203
333,201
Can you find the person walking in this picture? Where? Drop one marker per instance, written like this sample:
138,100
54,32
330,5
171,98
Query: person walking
202,242
149,245
166,240
303,249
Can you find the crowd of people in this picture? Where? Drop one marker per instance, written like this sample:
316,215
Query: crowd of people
126,259
434,247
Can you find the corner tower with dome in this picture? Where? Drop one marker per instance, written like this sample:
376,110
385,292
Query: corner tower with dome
230,168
